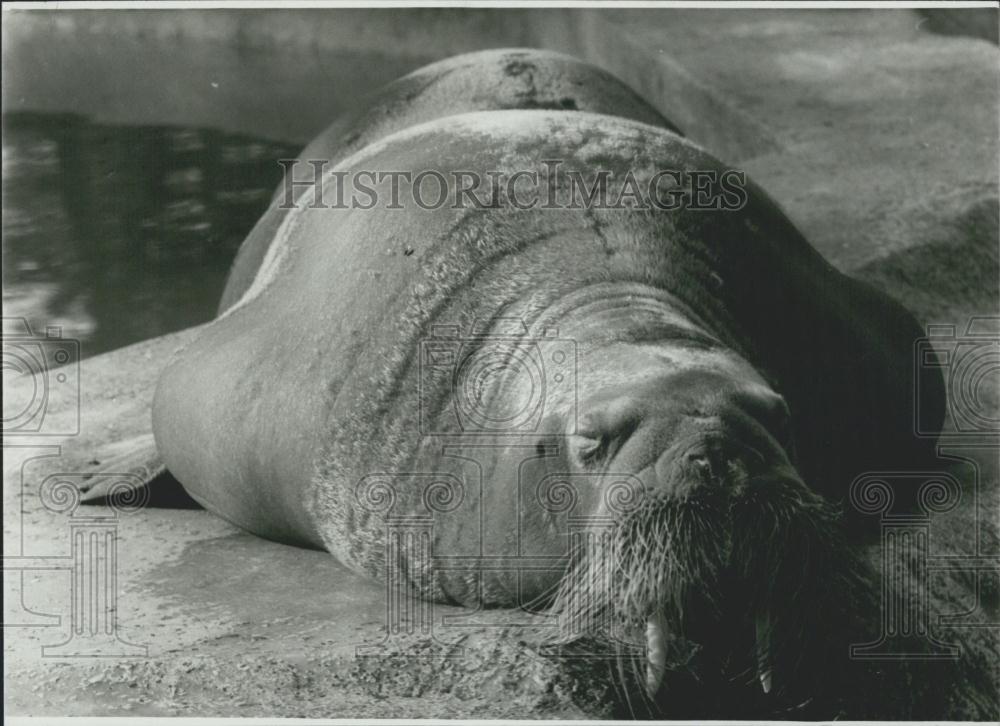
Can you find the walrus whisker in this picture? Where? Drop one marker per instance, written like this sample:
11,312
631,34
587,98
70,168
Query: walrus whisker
542,600
623,681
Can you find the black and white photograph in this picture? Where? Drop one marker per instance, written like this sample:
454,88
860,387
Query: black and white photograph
483,361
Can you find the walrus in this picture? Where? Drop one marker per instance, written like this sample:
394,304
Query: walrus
692,380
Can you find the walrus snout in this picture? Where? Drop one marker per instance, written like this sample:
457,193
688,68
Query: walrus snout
714,460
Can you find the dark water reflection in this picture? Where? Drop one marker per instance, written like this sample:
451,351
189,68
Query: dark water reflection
118,234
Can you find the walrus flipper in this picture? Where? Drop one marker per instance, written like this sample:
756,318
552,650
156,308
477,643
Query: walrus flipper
137,476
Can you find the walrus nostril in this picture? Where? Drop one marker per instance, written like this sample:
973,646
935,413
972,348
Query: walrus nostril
699,461
704,465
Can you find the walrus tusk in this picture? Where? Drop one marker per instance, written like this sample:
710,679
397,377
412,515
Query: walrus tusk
656,654
763,635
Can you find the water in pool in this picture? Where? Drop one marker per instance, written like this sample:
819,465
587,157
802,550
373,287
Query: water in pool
116,234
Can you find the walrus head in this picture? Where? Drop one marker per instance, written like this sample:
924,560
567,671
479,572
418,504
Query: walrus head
665,478
728,582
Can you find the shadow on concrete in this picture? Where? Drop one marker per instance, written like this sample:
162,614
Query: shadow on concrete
970,22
